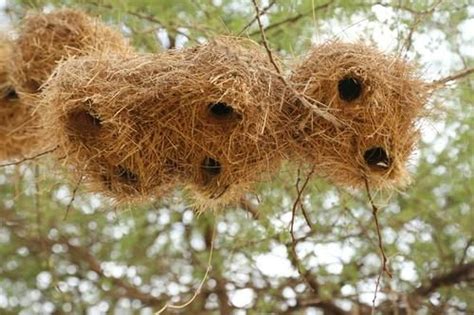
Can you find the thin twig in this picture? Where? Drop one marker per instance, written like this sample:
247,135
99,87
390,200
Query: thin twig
420,16
298,200
249,207
302,207
265,42
203,281
295,18
147,17
465,250
29,158
73,197
455,76
293,210
303,273
301,97
264,10
306,216
384,268
37,202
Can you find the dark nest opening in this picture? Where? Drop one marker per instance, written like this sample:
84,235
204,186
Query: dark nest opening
10,94
223,111
349,89
210,169
126,176
377,157
83,124
376,99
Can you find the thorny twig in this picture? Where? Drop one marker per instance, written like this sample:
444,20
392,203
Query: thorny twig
384,268
201,284
30,158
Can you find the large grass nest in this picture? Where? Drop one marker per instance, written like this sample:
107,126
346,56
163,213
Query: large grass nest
47,38
239,132
206,118
377,100
44,40
15,118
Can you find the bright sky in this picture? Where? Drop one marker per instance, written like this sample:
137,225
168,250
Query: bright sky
3,19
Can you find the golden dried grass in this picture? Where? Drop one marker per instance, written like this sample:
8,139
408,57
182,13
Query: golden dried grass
44,40
15,118
206,118
377,99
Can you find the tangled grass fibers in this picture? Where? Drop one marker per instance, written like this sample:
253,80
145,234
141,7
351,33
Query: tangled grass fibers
377,100
43,41
47,38
15,120
206,118
236,135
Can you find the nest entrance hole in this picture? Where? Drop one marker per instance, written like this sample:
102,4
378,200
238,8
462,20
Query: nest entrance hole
122,175
83,123
211,166
223,111
377,157
349,89
126,176
11,94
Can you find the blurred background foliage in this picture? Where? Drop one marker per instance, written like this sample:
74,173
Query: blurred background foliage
64,251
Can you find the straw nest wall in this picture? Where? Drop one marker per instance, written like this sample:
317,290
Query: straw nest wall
206,118
376,99
47,38
239,133
43,41
15,118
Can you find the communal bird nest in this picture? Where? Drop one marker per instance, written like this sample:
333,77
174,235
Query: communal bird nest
376,99
43,41
213,118
206,118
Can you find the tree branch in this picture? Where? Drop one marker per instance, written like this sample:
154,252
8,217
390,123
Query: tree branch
264,10
294,18
458,274
30,158
455,76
